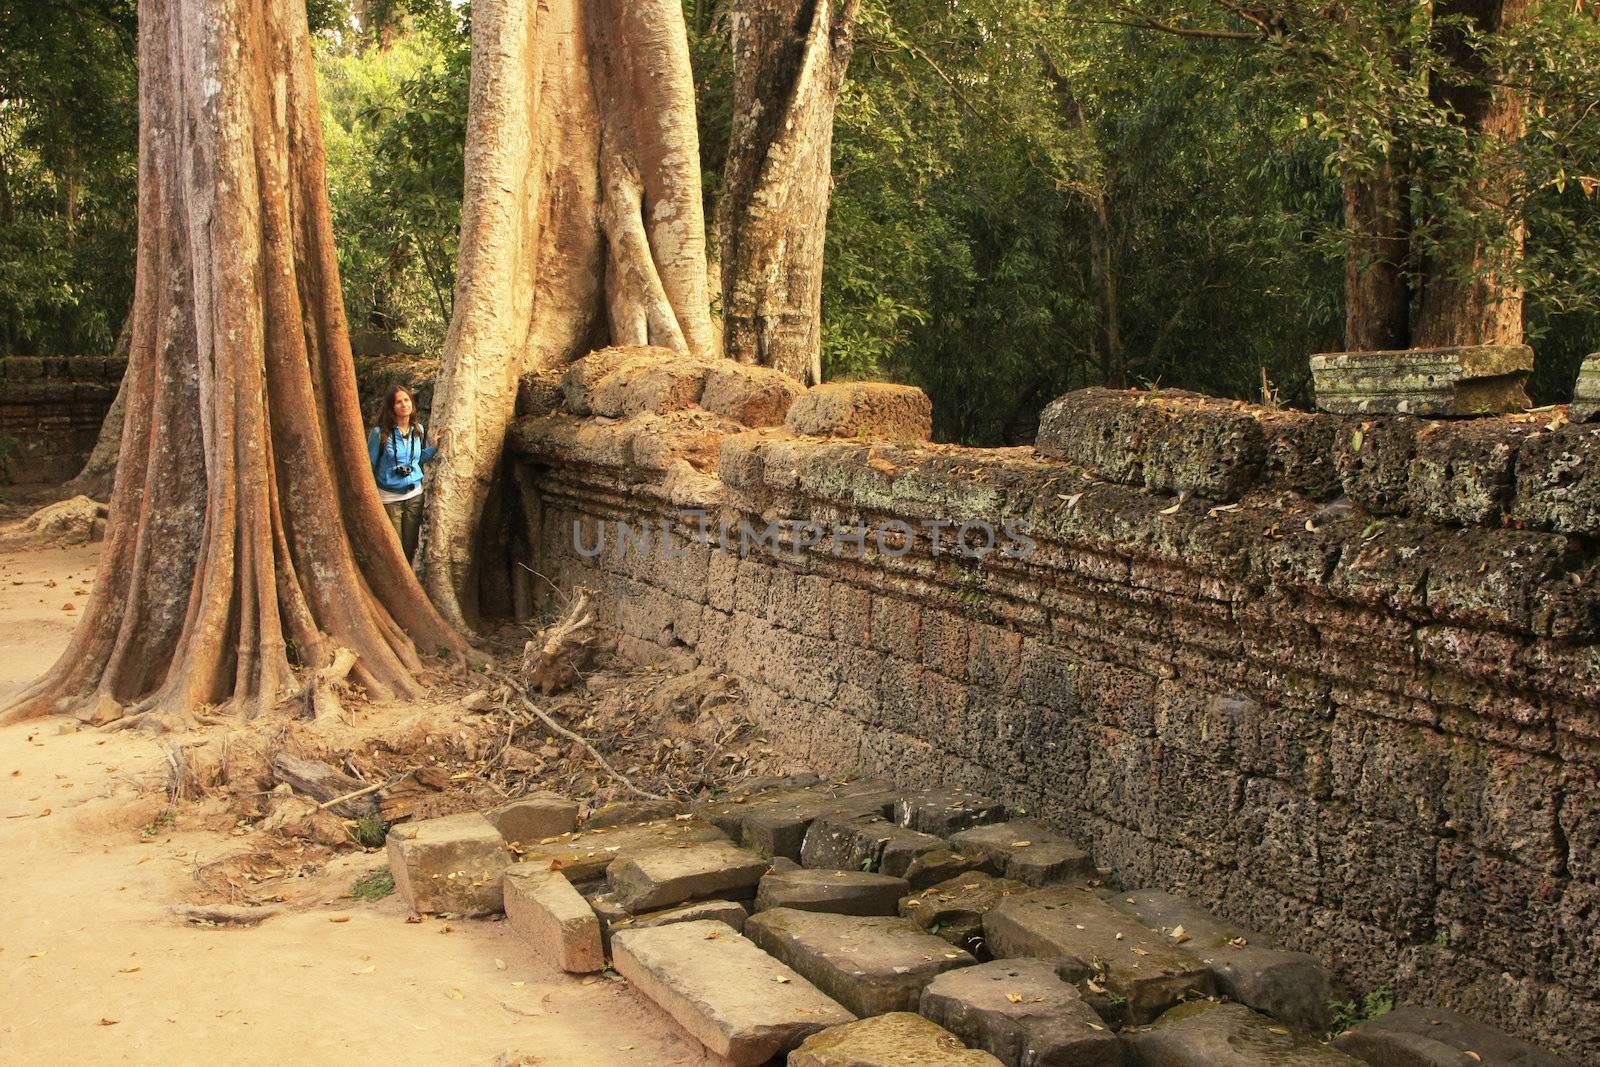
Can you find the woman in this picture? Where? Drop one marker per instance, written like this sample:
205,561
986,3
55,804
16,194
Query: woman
398,453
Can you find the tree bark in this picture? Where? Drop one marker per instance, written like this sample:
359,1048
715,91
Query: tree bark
581,225
1470,294
246,538
1377,294
789,62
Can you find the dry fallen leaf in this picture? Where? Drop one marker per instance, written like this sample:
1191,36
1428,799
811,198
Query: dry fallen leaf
109,1022
1178,935
456,994
1473,1056
1015,998
338,918
129,970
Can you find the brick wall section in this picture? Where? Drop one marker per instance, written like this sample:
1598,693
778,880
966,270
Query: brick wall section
53,406
1371,725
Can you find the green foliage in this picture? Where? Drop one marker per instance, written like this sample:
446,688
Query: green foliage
370,831
1348,1014
374,886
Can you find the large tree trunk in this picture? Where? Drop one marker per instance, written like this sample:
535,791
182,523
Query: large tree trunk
1377,294
581,225
245,537
1470,294
789,62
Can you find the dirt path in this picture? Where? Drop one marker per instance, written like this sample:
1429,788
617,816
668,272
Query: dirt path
96,969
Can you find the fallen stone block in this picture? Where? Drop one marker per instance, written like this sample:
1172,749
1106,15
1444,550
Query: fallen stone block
626,811
1412,1036
661,877
1289,986
840,892
899,1039
584,855
752,395
453,864
775,823
729,912
946,811
1437,382
864,842
1028,851
862,409
533,818
1586,394
1023,1013
1128,969
555,921
870,964
733,998
941,865
955,909
1209,1034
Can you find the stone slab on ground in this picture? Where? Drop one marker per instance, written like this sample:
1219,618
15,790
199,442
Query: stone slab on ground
584,855
729,912
947,810
941,865
551,916
1413,1036
1142,972
452,864
774,820
1023,1013
862,409
530,819
1029,851
870,964
622,812
1457,381
1209,1034
1586,394
955,909
840,892
733,998
1289,986
899,1039
657,878
864,842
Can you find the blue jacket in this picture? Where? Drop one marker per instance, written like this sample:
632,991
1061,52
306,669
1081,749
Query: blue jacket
408,451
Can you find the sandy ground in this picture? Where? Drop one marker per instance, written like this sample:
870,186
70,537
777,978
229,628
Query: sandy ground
96,969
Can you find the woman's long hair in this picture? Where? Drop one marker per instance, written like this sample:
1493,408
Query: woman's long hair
386,424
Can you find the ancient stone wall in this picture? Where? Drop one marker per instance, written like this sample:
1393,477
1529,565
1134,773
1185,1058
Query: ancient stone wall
51,409
1334,677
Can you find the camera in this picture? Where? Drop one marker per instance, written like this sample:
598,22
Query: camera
403,471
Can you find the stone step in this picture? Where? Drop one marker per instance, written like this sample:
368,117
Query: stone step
1130,971
1289,986
1413,1036
954,909
1028,851
657,878
899,1039
946,810
864,842
449,865
551,916
530,819
870,964
840,892
1023,1013
733,998
941,865
585,855
1211,1034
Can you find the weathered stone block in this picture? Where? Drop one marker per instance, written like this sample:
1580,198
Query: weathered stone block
622,812
553,918
1558,481
1586,393
538,394
530,819
729,912
941,865
1095,941
870,964
650,381
733,998
660,877
1030,851
754,396
1462,471
1023,1013
1373,457
1470,380
775,823
862,409
451,864
841,892
1412,1036
864,842
583,856
899,1039
1290,986
954,909
946,810
1204,1034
